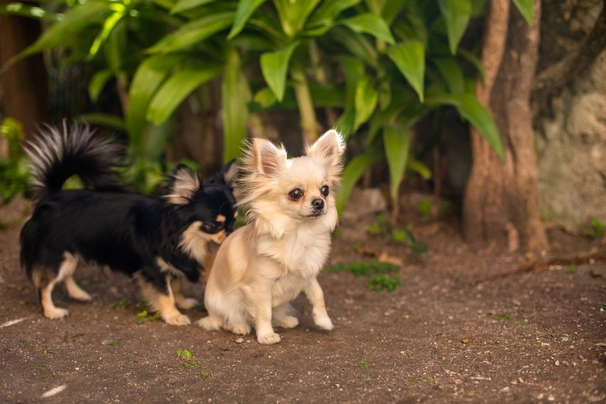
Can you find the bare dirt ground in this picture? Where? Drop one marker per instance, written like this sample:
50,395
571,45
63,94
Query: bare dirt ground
441,337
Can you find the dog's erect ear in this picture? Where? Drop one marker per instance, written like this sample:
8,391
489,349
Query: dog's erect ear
263,157
328,150
182,185
227,175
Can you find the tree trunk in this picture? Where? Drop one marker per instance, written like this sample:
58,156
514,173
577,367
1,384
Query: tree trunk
500,205
24,85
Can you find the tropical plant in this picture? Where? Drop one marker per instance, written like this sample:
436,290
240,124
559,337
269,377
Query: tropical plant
384,64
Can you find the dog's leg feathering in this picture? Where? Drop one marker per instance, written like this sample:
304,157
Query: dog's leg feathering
314,293
183,302
282,316
259,302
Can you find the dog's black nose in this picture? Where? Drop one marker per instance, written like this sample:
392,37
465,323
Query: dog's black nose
318,204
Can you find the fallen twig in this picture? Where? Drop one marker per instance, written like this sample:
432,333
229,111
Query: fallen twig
585,257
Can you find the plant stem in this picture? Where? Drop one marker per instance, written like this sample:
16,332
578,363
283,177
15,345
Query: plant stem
306,106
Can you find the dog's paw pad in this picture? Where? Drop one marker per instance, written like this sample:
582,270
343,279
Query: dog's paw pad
269,339
324,323
188,303
180,319
287,322
55,312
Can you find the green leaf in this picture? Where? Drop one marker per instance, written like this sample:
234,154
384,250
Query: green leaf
473,59
68,30
470,108
274,67
396,138
245,9
108,27
385,93
235,95
147,79
27,10
371,24
178,86
352,173
109,121
451,73
526,9
193,32
357,44
265,97
418,167
327,11
365,101
409,57
456,14
97,83
184,5
294,14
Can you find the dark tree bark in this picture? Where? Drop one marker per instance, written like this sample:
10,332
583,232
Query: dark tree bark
25,84
500,204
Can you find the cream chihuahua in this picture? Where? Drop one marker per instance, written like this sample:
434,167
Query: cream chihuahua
266,264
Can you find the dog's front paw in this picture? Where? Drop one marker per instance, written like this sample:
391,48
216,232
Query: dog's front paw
55,312
209,323
269,338
324,322
177,319
187,303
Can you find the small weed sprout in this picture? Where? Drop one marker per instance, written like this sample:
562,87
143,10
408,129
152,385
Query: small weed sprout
424,207
364,365
597,228
571,269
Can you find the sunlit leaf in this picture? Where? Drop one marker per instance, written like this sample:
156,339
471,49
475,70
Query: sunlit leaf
235,95
147,79
30,11
370,24
327,11
176,88
109,121
193,33
183,5
274,67
294,14
245,9
409,57
365,101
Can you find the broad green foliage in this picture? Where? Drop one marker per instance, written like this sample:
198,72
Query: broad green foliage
381,64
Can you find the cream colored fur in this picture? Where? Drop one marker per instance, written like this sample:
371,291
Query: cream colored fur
266,264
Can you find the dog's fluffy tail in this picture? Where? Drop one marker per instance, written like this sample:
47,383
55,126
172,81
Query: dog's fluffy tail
59,154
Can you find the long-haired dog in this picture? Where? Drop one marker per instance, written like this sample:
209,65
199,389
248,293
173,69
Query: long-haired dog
156,240
266,264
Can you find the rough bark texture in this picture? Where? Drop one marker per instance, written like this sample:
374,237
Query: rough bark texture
500,205
24,85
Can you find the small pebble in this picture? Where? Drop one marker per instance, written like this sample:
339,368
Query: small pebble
239,340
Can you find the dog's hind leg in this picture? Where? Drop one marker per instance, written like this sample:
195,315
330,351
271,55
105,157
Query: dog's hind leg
282,316
183,302
45,286
73,289
158,295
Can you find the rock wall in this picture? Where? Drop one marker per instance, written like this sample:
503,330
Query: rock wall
571,143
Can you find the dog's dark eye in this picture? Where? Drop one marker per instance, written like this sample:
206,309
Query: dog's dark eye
212,227
324,190
296,194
